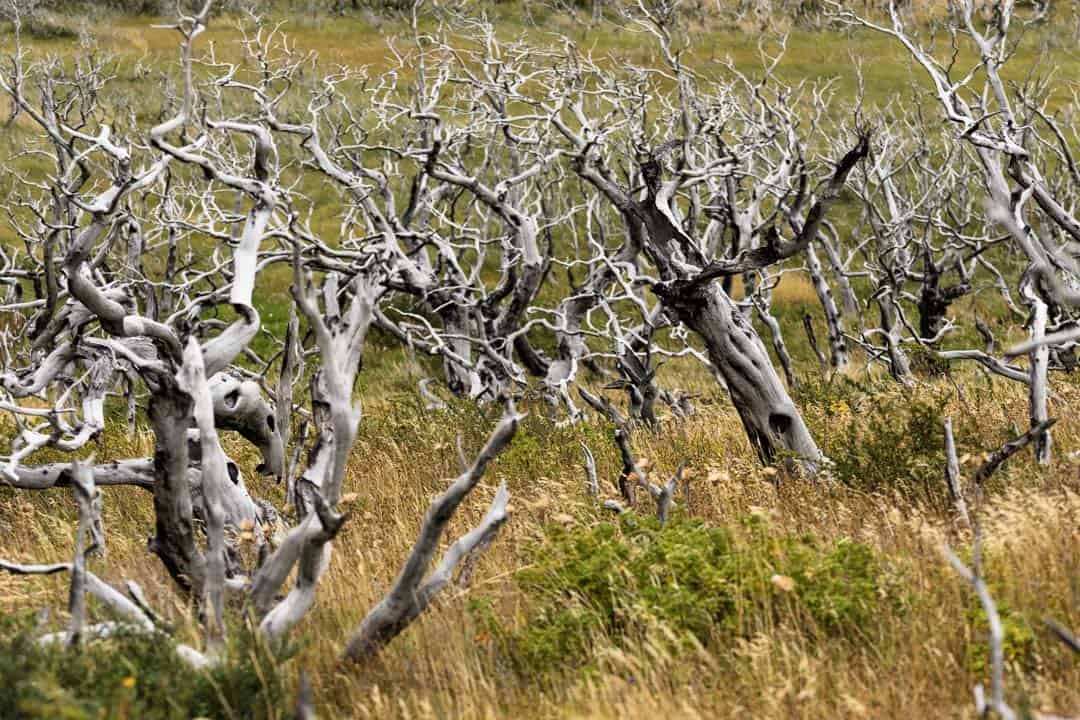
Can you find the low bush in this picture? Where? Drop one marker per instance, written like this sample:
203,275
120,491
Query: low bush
879,439
1018,644
44,27
135,676
615,581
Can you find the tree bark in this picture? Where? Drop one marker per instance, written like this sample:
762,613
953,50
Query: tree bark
771,420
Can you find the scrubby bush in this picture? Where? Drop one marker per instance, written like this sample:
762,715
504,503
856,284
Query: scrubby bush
904,450
926,363
702,584
134,676
1018,644
879,439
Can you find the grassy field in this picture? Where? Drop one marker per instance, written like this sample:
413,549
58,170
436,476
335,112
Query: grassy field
841,603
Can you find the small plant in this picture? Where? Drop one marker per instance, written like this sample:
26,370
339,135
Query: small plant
135,676
887,442
1018,643
616,580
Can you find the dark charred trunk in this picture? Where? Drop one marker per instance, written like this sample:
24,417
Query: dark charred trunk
174,532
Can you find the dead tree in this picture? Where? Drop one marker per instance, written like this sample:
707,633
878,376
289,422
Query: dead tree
414,588
1016,144
676,166
996,703
134,249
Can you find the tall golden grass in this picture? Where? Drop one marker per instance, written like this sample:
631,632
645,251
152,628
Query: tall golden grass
911,664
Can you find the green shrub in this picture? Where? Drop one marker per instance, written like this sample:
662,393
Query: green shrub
886,442
38,25
705,584
925,362
1018,645
134,676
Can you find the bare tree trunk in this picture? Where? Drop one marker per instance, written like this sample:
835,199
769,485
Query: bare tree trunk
849,301
414,589
460,380
174,535
85,494
771,420
838,352
899,367
1039,360
934,300
762,304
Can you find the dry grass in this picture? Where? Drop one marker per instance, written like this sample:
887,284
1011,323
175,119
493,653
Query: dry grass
911,665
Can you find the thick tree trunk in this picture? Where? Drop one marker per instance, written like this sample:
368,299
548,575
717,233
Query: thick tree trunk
174,534
770,417
459,379
771,420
